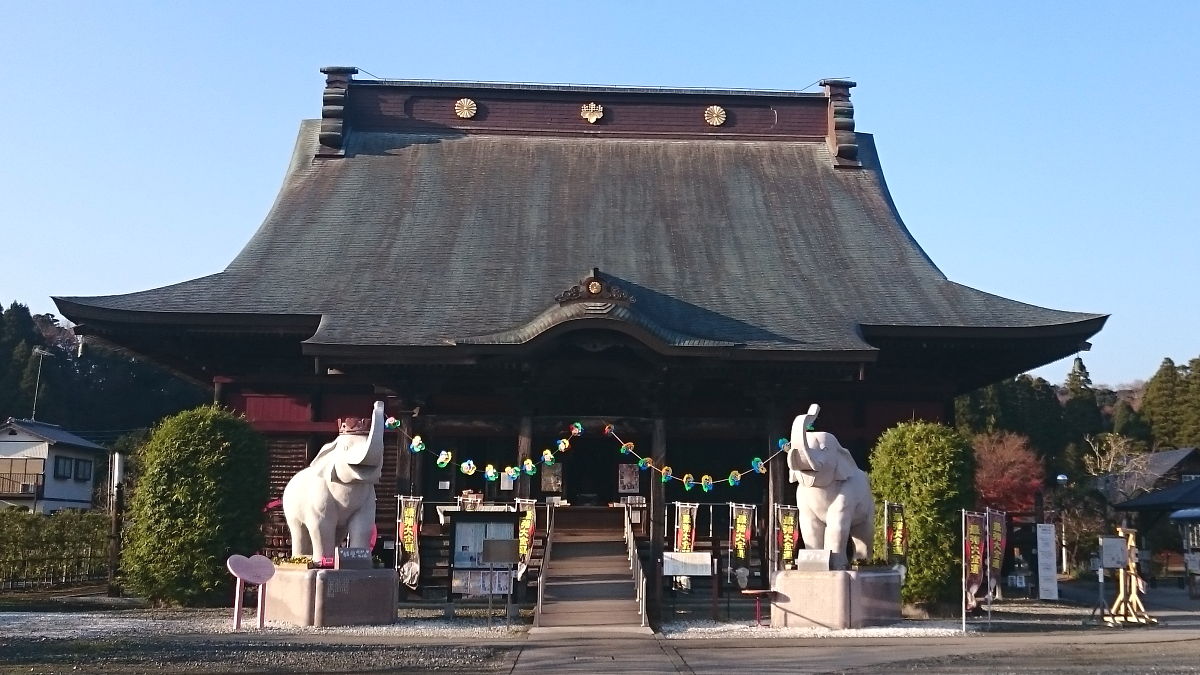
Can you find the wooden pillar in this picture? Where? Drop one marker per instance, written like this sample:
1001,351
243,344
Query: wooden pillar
777,492
657,514
413,464
524,452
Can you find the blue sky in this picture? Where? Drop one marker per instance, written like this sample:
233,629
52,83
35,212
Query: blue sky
1047,154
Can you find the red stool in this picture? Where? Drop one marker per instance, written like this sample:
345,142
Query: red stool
759,594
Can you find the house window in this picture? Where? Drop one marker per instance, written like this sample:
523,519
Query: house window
64,467
83,469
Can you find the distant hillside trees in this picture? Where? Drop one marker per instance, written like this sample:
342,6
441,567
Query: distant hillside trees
100,390
1171,405
1023,405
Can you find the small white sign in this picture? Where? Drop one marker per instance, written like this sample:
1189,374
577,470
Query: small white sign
1047,563
676,564
1114,553
1192,562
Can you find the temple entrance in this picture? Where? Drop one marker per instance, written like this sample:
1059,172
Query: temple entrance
591,472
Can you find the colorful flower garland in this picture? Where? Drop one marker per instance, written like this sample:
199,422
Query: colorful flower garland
528,467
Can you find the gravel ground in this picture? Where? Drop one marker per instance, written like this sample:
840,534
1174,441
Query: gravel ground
203,640
145,655
102,636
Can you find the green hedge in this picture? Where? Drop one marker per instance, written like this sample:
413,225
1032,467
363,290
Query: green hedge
64,534
198,500
930,469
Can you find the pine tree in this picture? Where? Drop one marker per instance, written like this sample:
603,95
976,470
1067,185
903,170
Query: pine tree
1161,405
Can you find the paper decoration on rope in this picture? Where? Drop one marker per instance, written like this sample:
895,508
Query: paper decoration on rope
548,457
468,466
706,483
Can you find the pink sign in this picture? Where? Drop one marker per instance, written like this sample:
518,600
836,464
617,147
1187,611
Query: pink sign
254,570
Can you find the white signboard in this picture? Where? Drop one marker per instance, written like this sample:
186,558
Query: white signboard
1114,553
676,564
482,582
1047,563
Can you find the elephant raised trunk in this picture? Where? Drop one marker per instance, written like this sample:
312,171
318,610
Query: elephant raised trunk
334,497
833,495
362,461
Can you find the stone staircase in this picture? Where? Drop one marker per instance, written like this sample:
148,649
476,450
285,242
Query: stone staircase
588,584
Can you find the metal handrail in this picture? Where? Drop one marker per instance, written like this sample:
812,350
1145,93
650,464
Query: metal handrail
537,614
635,564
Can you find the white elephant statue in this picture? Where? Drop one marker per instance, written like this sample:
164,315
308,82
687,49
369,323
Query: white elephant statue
833,495
334,496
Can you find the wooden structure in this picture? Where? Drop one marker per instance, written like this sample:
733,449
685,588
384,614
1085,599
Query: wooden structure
693,266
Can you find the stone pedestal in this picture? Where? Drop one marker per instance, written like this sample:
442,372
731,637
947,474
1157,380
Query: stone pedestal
844,599
332,597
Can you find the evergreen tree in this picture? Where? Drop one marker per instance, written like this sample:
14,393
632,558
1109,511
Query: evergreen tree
1039,416
977,412
1081,417
1129,423
18,337
1189,408
14,399
1161,405
18,326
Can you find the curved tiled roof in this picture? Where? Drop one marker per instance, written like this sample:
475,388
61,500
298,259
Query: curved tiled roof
427,239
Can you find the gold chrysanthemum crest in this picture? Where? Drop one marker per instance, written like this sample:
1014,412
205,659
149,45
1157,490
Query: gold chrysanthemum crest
465,108
714,115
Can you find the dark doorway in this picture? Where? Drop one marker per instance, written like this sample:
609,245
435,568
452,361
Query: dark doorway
590,471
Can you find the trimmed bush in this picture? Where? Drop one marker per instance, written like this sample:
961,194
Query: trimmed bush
930,468
198,500
34,546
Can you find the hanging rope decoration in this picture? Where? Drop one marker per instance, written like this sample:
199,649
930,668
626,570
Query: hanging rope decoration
469,468
529,467
706,482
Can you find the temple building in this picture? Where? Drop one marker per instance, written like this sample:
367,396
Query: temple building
499,261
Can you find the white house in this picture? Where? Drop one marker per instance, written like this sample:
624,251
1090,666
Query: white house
44,468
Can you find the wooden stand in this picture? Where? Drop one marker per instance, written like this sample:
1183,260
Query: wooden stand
1128,608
